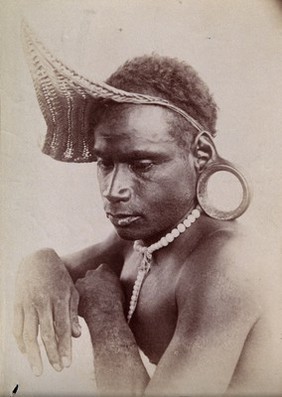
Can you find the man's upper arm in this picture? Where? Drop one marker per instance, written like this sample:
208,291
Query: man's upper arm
215,316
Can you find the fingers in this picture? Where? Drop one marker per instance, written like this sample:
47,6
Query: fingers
74,301
30,332
43,283
48,337
55,330
18,327
62,326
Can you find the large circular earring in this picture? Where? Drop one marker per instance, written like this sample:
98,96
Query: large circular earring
203,194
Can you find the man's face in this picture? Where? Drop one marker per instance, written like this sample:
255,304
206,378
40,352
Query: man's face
146,180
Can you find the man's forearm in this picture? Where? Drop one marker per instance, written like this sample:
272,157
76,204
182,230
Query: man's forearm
117,362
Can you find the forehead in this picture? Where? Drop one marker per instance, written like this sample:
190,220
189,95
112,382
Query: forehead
134,126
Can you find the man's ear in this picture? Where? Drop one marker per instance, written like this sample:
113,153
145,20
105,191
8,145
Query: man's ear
204,151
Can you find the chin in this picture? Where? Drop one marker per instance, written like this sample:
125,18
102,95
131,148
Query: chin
132,234
128,234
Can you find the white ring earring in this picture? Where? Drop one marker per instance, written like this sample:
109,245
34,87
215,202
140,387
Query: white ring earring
203,196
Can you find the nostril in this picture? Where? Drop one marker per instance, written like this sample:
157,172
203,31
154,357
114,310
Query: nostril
117,185
115,195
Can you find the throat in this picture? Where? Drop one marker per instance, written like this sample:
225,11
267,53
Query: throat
147,255
157,237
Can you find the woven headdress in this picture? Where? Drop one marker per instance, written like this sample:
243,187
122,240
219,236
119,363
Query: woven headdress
67,101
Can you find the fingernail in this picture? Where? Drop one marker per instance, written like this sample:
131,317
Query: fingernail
76,324
36,371
77,329
57,367
66,361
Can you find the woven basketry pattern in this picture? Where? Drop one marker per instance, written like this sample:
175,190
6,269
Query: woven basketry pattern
67,100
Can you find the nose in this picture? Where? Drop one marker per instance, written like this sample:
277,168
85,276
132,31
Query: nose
117,185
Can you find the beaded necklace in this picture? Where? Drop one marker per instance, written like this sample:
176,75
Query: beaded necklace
147,252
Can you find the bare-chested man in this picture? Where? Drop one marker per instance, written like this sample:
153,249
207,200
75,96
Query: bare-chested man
197,303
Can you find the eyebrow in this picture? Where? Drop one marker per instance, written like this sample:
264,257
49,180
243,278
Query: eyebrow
134,154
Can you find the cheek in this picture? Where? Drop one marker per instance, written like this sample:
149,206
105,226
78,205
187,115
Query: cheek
172,193
102,180
168,196
180,182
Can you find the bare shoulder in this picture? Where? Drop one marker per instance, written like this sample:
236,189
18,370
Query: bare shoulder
231,263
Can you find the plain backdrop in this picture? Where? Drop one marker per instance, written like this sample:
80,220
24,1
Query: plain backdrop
235,45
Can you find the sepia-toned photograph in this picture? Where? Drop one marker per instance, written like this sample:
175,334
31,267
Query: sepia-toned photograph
141,198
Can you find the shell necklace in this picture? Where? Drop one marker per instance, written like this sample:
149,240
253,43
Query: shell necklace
147,252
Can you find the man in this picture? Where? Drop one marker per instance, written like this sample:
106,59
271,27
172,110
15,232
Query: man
187,289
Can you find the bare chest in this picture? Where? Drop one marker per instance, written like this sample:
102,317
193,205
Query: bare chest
154,320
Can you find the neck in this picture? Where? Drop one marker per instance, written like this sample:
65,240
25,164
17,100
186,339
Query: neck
153,239
180,249
169,237
147,253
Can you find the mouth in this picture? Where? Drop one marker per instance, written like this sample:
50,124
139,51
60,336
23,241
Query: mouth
122,220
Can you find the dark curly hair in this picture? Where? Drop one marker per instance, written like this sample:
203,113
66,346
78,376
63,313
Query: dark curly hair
172,80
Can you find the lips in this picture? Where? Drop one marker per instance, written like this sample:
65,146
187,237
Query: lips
122,220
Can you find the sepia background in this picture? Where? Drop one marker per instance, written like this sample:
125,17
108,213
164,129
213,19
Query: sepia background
235,45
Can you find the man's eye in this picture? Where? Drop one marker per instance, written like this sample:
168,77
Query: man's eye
104,164
141,166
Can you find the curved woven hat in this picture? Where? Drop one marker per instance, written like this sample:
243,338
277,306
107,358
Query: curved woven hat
67,101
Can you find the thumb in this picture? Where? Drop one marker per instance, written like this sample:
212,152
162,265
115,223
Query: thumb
75,326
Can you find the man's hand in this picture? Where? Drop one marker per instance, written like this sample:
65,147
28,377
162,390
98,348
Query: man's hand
100,292
45,295
118,365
